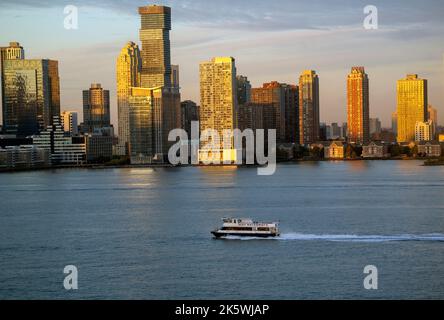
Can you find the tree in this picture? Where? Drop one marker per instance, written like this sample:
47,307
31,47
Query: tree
316,153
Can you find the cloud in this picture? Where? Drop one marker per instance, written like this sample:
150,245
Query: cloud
262,15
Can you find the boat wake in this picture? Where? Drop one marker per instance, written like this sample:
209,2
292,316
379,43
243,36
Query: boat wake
434,237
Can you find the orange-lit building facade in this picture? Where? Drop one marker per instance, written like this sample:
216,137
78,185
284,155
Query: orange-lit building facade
309,126
358,113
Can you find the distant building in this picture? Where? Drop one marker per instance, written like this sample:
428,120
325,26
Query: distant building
243,90
152,116
433,116
13,141
218,99
323,131
155,105
99,148
334,150
25,156
344,130
96,108
375,150
69,120
386,136
128,68
256,116
429,149
336,131
424,131
395,123
308,107
412,106
31,95
13,52
358,106
328,132
156,49
63,149
375,126
189,113
175,76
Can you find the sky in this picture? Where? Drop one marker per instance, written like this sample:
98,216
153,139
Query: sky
270,40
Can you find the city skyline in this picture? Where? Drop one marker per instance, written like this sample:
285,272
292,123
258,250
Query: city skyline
94,54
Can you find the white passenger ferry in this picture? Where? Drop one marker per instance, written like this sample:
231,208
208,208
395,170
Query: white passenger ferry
246,228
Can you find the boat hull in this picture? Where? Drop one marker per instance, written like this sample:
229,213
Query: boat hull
221,235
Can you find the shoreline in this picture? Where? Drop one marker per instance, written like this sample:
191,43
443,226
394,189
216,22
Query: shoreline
429,162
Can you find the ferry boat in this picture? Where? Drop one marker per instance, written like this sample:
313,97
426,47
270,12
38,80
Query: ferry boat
246,228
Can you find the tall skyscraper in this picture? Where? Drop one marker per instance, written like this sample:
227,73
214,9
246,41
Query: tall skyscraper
243,90
13,52
412,106
395,122
155,38
218,105
96,112
31,95
69,120
157,100
335,131
141,101
284,100
291,113
375,126
308,107
273,94
128,68
190,113
358,113
175,76
433,115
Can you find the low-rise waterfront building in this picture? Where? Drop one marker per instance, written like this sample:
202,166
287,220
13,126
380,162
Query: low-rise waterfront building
99,148
334,150
25,156
375,150
64,149
429,149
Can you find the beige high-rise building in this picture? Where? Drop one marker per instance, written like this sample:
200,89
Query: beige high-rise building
128,69
433,115
218,105
412,106
424,131
308,107
395,122
358,115
69,120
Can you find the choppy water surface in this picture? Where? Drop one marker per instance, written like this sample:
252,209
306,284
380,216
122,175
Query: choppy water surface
144,233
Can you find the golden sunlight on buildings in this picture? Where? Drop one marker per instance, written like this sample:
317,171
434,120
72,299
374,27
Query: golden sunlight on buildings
412,106
218,108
